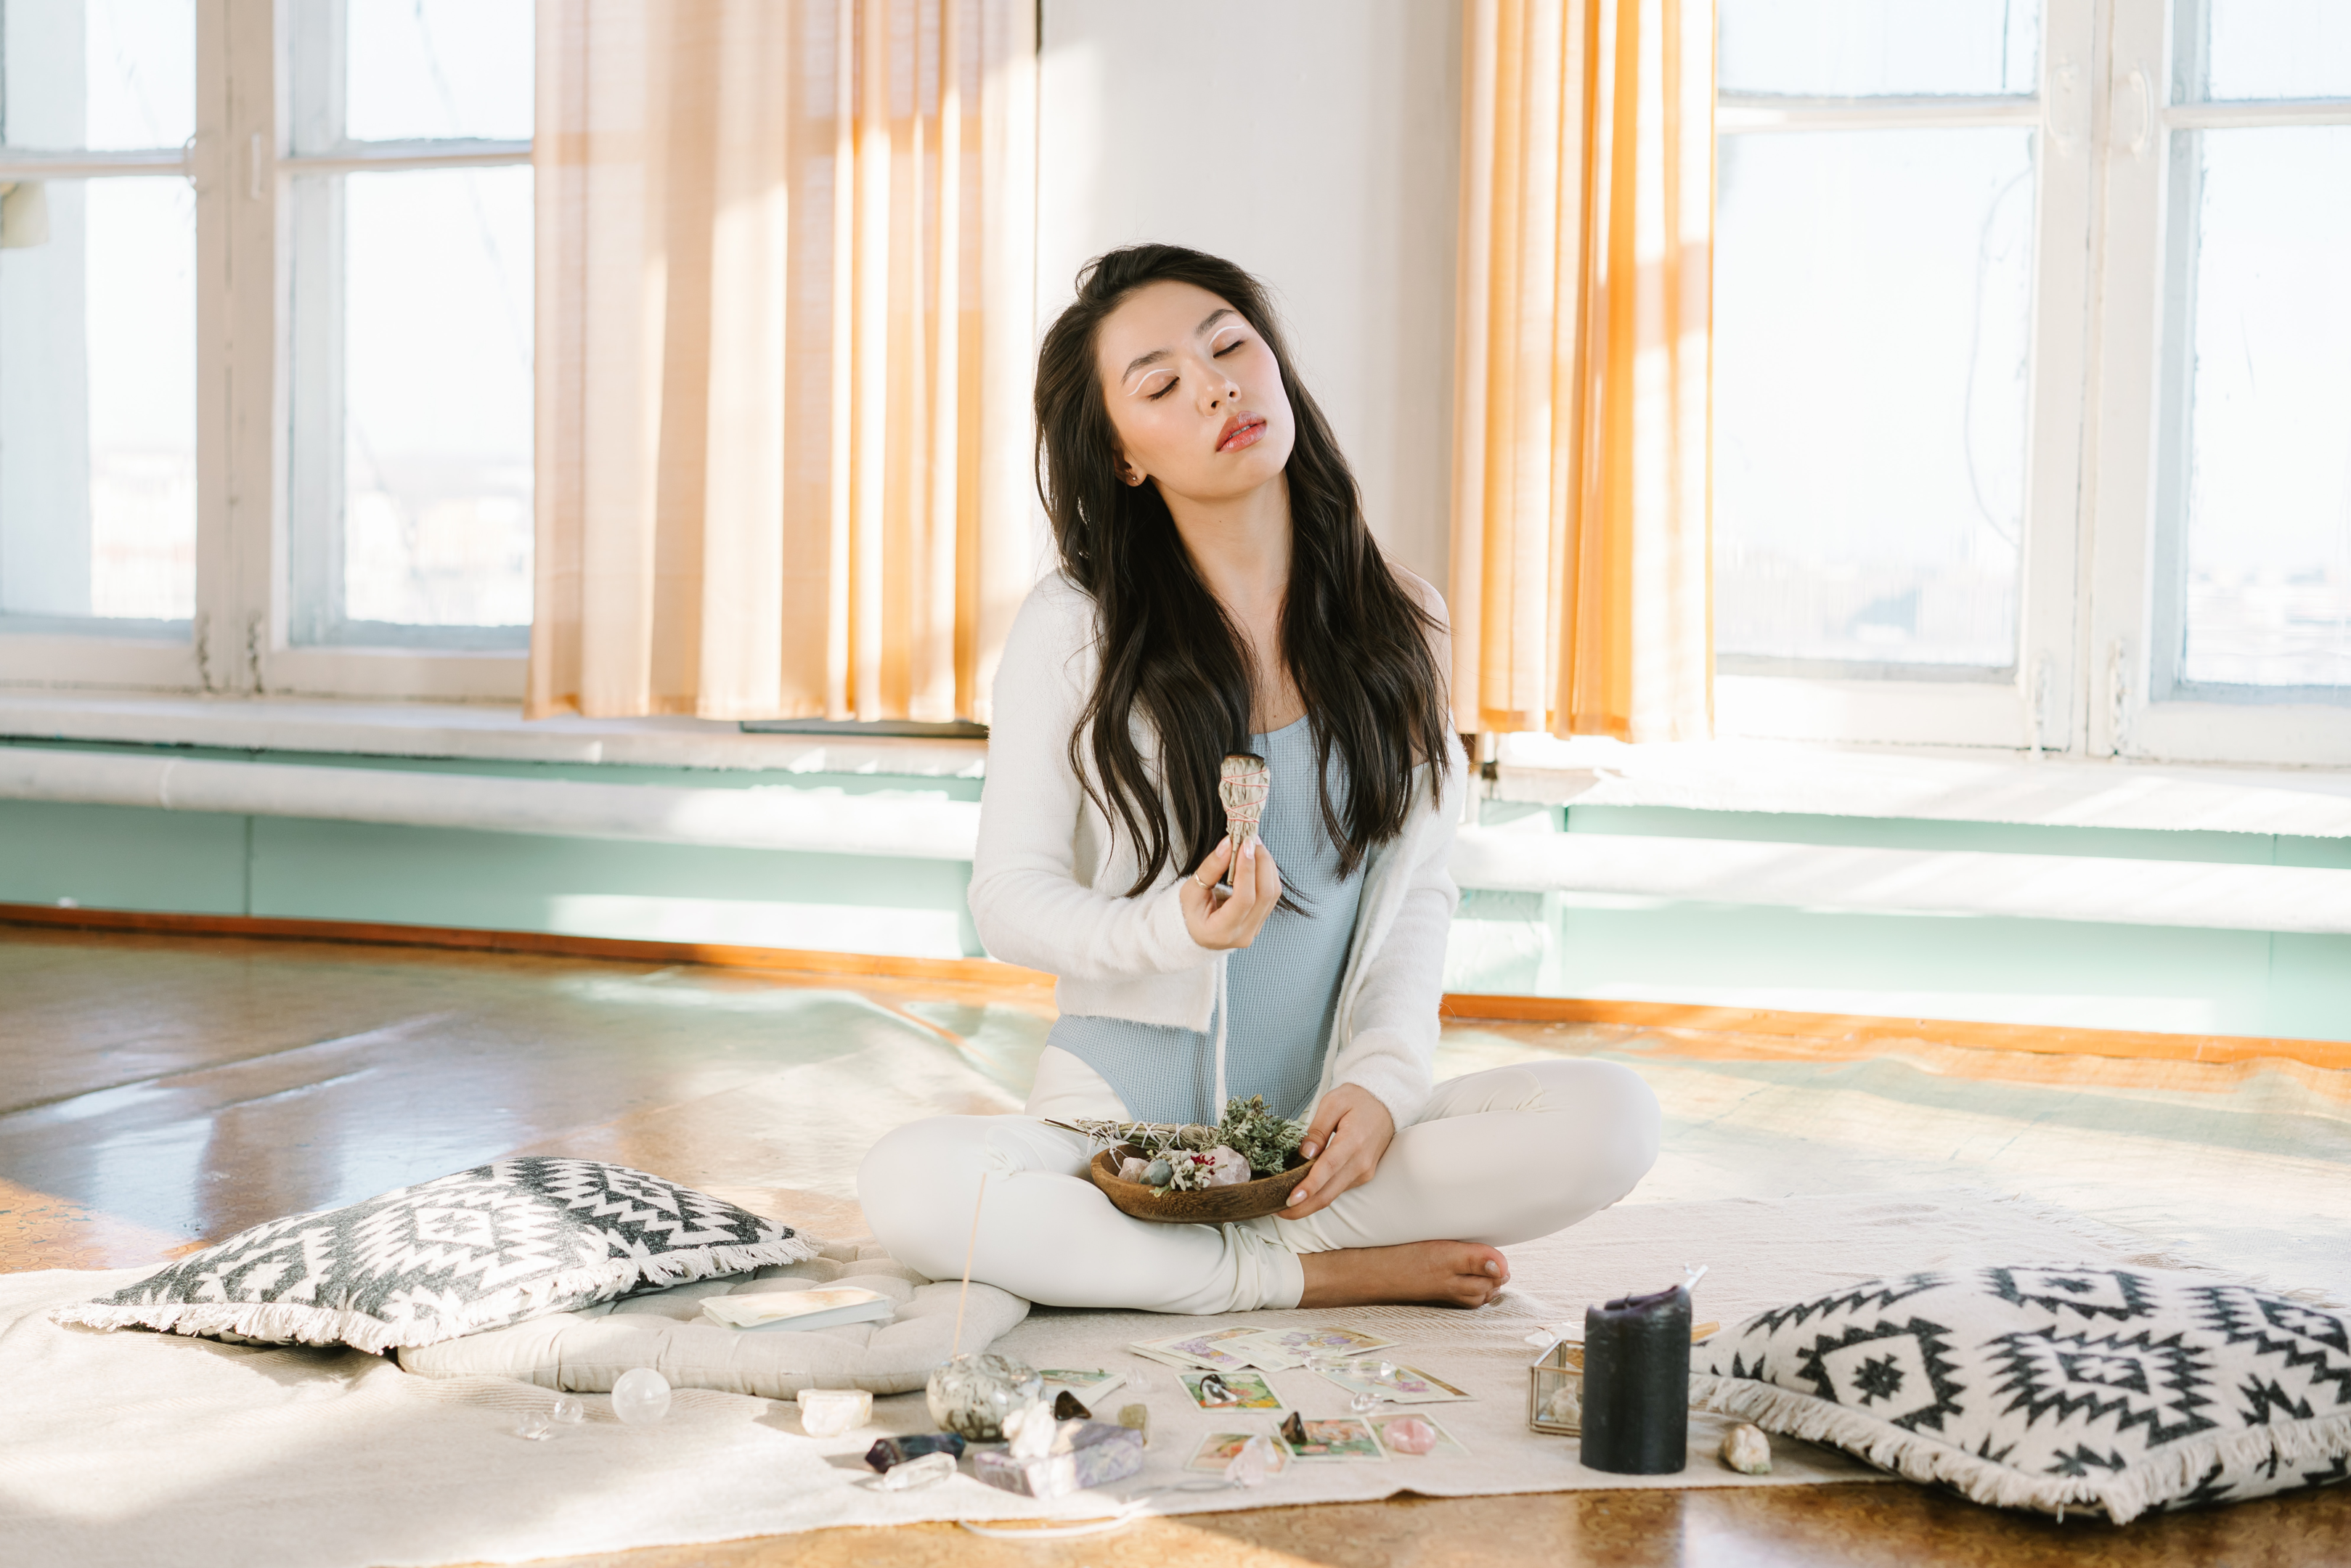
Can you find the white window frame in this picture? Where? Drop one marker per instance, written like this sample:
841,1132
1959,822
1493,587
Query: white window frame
2096,533
2033,705
2133,633
242,161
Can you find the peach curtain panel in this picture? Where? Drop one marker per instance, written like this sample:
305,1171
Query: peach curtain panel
1582,587
785,301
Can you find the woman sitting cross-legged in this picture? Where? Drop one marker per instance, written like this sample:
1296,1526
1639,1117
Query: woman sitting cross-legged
1219,593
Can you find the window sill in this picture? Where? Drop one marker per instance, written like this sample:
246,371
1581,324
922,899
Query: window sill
1945,784
480,731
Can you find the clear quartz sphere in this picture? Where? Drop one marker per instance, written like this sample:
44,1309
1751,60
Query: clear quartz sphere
567,1411
971,1395
641,1397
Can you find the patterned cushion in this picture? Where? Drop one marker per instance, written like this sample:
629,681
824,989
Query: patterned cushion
478,1250
2111,1390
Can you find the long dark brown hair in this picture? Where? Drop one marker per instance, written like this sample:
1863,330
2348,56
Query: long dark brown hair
1355,639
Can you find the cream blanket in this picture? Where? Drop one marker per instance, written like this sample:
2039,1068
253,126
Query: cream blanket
152,1451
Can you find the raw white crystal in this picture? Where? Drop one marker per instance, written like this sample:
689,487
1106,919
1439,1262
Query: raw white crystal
1255,1463
829,1412
1029,1430
928,1470
1746,1449
1565,1407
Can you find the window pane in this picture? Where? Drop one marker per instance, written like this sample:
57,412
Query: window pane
2265,48
1872,327
412,435
2269,489
1855,49
103,75
439,68
98,414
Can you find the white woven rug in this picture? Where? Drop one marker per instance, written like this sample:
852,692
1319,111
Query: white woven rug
153,1450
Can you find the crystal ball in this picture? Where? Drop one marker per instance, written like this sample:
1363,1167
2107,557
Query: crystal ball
971,1395
641,1397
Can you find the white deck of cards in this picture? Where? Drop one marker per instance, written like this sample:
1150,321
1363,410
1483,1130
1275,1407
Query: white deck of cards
800,1310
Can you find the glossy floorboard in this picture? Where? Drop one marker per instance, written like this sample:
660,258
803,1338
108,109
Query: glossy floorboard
155,1091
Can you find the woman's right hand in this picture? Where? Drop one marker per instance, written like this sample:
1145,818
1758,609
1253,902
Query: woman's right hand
1217,919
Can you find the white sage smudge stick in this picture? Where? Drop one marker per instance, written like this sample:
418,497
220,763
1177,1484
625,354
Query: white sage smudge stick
1243,783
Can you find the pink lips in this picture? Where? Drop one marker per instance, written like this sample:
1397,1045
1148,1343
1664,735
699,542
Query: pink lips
1241,430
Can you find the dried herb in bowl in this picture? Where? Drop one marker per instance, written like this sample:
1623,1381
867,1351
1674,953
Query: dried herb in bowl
1249,1142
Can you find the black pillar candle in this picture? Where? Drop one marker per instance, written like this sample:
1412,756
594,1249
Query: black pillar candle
1636,1355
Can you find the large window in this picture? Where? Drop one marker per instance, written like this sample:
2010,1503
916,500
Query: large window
2033,374
265,324
411,213
98,319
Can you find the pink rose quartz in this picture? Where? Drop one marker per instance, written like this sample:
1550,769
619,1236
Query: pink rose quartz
1411,1436
1231,1170
1131,1169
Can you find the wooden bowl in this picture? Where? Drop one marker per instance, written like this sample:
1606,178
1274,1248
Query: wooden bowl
1208,1206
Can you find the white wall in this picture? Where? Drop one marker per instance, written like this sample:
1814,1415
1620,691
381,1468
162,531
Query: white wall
1316,143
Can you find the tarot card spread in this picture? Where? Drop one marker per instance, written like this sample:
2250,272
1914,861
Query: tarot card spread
1399,1384
1230,1391
1345,1438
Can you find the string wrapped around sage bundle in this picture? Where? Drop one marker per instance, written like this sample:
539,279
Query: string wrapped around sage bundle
1243,783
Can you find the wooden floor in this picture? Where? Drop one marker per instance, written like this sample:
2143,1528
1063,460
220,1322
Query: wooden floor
159,1091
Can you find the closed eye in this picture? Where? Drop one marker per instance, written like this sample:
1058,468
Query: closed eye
1165,388
1228,347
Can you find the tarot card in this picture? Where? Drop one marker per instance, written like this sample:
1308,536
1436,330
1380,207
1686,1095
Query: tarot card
1343,1438
1230,1391
1401,1384
1447,1445
1217,1448
1208,1352
1283,1348
1087,1383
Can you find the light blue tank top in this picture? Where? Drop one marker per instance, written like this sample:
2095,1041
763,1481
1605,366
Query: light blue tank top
1282,989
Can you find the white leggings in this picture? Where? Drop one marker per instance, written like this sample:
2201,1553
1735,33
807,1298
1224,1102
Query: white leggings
1499,1156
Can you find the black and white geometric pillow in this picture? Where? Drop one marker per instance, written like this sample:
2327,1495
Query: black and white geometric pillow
476,1250
2109,1390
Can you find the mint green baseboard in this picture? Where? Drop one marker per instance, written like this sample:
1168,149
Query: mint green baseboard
2077,974
121,857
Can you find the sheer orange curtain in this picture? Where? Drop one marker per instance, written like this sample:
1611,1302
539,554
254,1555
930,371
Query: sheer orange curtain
784,319
1581,593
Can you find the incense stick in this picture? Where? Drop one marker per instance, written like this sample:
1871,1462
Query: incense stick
965,1294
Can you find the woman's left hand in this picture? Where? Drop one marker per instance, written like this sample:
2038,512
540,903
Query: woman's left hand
1352,1130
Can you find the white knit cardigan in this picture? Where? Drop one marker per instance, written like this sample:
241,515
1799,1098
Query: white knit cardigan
1050,878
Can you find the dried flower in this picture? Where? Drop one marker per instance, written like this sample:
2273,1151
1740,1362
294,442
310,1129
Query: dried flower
1249,1133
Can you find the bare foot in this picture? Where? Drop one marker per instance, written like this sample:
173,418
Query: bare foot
1435,1273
